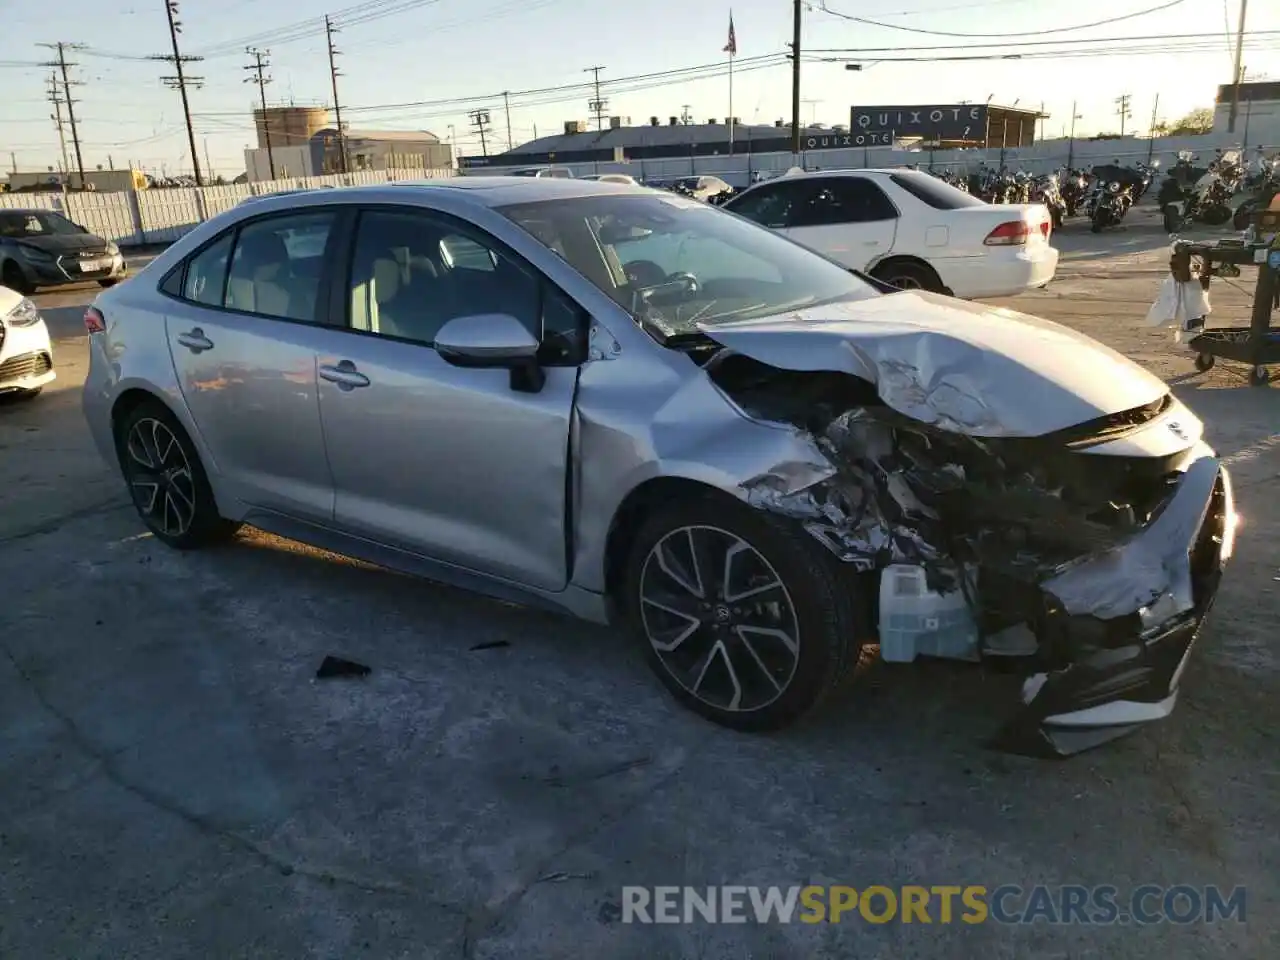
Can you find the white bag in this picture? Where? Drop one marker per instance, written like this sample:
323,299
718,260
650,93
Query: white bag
1184,305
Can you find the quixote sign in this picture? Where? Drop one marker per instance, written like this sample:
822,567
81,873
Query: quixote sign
855,138
964,121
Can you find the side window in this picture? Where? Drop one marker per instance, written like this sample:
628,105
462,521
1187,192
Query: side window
412,273
207,273
768,206
564,330
275,269
859,200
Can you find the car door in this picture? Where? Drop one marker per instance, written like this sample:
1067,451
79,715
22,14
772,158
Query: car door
241,323
461,464
847,218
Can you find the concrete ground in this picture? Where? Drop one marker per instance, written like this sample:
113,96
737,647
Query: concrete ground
175,783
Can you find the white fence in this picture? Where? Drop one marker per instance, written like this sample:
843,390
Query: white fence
1042,157
163,215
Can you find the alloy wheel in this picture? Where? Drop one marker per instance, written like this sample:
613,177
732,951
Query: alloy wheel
719,618
906,283
160,479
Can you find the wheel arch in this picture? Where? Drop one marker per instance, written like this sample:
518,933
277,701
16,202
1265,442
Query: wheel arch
630,515
908,259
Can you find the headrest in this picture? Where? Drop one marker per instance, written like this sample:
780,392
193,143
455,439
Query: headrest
386,280
259,248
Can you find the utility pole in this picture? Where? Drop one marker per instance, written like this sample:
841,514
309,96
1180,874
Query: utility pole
329,31
180,81
259,66
1071,144
1151,134
597,106
208,166
55,98
1238,76
480,120
686,117
62,65
506,105
1122,108
798,6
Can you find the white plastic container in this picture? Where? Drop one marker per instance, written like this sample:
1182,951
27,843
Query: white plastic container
915,621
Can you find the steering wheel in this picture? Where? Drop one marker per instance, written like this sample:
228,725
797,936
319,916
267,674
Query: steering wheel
644,273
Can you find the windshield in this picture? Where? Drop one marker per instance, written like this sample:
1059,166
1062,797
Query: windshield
674,263
35,224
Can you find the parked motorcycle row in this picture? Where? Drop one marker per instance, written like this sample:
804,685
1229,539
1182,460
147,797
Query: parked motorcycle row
1104,194
1226,190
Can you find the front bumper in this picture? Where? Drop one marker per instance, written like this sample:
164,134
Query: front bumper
1119,628
26,358
70,269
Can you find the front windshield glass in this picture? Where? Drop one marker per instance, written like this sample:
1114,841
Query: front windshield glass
675,263
56,223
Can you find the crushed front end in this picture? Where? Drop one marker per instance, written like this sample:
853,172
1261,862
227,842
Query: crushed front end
1088,557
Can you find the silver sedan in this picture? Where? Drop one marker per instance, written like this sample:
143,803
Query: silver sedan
639,409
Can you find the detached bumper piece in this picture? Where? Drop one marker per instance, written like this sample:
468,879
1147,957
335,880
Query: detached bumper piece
1118,629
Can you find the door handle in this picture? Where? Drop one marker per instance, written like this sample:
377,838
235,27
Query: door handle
195,341
345,375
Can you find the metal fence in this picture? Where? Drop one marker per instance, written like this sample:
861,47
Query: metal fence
137,218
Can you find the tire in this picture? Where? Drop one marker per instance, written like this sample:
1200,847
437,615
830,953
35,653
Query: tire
1095,226
1244,213
1172,219
1259,375
714,650
16,280
108,282
1204,361
909,275
1216,215
172,495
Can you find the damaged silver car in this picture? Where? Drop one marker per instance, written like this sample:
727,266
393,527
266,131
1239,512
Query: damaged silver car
644,410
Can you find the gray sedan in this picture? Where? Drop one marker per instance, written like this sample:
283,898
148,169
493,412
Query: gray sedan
639,409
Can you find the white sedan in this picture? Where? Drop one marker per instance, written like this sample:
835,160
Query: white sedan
909,229
26,356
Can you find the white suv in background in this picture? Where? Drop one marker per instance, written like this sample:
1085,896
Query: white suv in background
909,229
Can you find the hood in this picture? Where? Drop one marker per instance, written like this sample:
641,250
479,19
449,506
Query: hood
966,367
63,243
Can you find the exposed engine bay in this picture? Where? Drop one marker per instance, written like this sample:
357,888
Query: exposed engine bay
1070,552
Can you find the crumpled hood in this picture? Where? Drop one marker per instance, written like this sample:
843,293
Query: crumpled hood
974,369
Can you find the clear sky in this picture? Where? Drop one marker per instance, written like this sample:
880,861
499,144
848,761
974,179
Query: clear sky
422,64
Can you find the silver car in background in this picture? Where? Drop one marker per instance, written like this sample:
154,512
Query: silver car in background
639,409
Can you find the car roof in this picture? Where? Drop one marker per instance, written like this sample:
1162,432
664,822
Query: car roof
498,191
26,210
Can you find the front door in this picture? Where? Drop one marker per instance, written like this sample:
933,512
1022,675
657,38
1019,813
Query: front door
241,331
450,462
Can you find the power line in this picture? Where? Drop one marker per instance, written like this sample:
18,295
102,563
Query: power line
62,65
180,81
337,107
1028,33
314,27
259,66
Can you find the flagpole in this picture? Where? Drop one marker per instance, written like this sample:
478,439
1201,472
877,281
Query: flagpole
731,124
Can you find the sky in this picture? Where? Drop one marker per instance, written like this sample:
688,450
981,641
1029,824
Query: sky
423,64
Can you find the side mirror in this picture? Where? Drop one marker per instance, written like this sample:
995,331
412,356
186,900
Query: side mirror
486,340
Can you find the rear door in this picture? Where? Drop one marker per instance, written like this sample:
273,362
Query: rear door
455,463
846,218
242,324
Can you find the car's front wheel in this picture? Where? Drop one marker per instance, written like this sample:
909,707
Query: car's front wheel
166,480
745,619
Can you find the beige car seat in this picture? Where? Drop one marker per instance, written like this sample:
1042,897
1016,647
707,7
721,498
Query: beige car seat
259,271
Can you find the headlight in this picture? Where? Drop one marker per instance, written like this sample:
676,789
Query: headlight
112,250
24,314
1114,188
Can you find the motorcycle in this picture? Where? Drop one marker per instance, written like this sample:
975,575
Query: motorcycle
1262,183
1046,190
1073,185
1207,202
1109,206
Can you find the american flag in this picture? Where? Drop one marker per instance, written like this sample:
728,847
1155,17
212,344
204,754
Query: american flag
731,48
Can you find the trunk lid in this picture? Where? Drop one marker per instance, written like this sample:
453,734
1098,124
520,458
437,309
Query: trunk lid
975,369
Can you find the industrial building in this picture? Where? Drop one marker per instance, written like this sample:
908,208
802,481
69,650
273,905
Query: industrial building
1257,111
952,125
102,181
301,142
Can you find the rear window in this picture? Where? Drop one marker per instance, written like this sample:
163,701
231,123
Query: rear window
931,190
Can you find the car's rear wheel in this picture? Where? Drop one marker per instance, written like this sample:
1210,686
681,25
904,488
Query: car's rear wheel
15,279
109,282
744,619
909,275
166,480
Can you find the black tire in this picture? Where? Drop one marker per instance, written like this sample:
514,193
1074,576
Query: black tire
909,275
1172,219
830,607
1216,215
148,488
1095,226
16,280
1243,215
1204,361
108,282
1259,375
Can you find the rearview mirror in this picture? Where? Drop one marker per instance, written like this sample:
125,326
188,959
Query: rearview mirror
486,340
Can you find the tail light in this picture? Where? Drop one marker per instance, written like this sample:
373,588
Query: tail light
1009,234
1046,228
94,321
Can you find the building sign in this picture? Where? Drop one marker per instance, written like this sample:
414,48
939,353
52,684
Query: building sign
964,121
855,138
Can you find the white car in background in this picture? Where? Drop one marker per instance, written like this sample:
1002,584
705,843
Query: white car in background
909,229
625,178
26,356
